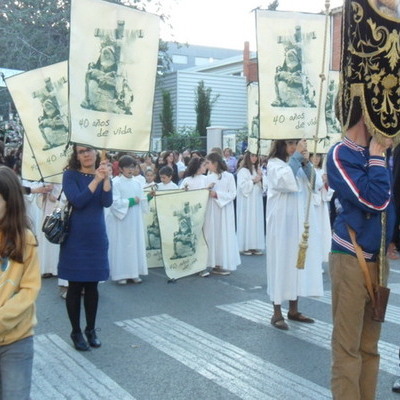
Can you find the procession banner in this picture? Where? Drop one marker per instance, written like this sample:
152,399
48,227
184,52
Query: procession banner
332,123
255,144
330,132
290,49
181,218
152,230
253,113
112,69
152,236
41,99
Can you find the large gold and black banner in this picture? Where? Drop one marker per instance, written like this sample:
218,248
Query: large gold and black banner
113,64
41,99
370,67
291,48
180,217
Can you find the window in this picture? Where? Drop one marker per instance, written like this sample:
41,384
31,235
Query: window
203,60
179,59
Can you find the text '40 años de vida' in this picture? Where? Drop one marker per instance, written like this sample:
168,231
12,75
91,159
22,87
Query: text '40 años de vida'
297,118
103,127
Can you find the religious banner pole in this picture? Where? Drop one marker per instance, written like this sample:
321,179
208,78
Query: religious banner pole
303,246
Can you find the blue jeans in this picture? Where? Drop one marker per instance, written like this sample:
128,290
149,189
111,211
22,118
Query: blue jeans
16,369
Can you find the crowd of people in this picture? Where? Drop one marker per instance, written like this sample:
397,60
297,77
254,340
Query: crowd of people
109,199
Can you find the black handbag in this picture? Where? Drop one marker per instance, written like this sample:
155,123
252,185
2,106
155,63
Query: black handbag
55,226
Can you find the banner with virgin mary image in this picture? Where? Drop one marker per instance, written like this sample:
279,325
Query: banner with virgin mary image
113,65
291,48
181,218
255,144
41,99
152,235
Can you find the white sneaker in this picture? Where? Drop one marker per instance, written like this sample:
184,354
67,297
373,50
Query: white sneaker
63,292
247,253
220,271
137,280
204,273
122,282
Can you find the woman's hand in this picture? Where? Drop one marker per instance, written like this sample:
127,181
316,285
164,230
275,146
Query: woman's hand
102,172
301,146
213,194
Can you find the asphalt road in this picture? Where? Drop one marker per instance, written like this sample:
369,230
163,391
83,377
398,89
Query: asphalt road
198,338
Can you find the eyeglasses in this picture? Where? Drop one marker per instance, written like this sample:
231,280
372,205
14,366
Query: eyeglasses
81,152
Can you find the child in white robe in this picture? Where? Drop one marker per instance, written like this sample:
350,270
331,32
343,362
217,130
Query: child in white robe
149,175
127,251
194,179
219,225
166,179
288,175
249,206
136,174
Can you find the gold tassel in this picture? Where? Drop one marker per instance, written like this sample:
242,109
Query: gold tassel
303,246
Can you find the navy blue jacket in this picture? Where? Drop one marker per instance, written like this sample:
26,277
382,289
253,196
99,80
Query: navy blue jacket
363,186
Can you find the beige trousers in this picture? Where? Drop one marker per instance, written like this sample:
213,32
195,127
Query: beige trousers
355,358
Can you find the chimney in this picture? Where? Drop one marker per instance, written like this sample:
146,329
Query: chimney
246,60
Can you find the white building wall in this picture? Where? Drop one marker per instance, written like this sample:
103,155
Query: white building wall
230,109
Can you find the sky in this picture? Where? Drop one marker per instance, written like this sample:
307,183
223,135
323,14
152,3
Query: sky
226,23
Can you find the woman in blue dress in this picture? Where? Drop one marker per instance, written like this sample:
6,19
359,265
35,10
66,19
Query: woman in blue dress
83,255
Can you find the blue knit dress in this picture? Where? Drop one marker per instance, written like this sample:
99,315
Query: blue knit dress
84,253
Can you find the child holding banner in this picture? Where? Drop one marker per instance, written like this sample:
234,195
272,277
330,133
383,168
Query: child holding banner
219,225
166,175
194,178
127,252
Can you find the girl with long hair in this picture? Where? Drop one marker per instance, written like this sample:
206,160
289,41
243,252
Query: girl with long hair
194,178
249,206
219,225
19,287
289,173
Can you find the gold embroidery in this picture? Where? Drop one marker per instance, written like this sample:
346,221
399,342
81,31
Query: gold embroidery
371,68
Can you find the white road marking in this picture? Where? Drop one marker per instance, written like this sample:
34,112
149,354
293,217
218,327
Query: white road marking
318,333
243,374
61,372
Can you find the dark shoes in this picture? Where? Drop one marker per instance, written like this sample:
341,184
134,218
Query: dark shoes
79,342
279,323
396,386
92,338
299,317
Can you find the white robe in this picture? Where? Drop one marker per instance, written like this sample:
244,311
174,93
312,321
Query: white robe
127,249
311,280
140,178
194,182
321,201
249,212
167,186
284,216
219,224
49,252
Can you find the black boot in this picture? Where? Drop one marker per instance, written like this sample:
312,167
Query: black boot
92,337
79,342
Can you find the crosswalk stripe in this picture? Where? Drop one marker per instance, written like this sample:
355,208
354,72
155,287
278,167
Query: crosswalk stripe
243,374
60,372
392,312
394,288
318,333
